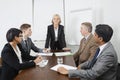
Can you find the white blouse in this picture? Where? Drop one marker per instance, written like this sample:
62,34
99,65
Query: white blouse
56,33
18,53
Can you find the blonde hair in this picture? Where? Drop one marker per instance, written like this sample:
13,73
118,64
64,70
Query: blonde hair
58,17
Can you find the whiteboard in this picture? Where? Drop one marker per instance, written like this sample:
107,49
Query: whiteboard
43,14
76,18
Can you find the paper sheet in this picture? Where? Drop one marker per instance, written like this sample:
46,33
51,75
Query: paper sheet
45,54
63,65
63,53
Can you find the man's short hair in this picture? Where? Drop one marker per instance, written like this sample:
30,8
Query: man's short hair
88,25
104,31
25,26
12,33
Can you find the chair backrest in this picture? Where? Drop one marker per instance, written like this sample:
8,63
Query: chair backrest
118,72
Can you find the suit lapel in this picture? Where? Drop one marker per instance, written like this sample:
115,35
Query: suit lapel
59,30
28,44
52,31
26,48
108,44
23,44
12,50
87,41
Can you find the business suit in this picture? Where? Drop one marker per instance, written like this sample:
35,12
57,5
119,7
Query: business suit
104,68
51,37
86,50
10,63
27,49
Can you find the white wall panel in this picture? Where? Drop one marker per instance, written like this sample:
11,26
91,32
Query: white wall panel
76,18
13,13
76,12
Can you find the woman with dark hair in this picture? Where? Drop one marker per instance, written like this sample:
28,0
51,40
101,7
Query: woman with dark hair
11,56
55,35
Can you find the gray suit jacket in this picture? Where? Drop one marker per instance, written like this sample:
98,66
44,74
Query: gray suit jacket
28,49
104,68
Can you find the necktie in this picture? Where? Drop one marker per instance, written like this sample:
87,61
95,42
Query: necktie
26,44
94,58
84,40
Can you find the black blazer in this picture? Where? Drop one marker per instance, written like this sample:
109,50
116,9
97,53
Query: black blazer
31,46
10,63
51,37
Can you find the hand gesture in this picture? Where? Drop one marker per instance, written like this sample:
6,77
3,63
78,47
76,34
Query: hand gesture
38,59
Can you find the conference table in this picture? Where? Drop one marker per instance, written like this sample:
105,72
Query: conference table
45,73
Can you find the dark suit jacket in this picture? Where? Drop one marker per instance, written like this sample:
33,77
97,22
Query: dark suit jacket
31,46
105,67
10,63
51,37
86,51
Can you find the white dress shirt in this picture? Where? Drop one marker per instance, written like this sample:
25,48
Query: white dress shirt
87,37
101,48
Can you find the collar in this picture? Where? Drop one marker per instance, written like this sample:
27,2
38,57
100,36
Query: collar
102,47
56,28
86,37
24,38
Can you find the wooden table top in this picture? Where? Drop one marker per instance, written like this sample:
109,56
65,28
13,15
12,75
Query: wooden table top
45,73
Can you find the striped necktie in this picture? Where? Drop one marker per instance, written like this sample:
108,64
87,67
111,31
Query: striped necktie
94,58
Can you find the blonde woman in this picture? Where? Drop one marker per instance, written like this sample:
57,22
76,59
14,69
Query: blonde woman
55,35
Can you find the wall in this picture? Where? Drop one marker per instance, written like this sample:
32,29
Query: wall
12,14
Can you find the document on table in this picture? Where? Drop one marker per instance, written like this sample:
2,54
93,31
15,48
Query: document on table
45,54
63,53
63,65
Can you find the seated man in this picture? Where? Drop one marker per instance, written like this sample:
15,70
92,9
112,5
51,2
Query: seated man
88,45
27,43
104,64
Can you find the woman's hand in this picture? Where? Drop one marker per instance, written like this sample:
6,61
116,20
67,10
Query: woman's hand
38,59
